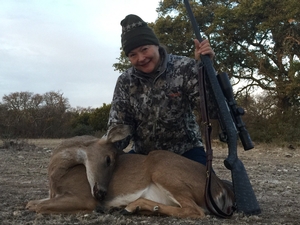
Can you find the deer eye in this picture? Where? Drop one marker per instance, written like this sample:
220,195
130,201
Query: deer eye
108,160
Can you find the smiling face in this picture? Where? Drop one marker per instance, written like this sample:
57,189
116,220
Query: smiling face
145,58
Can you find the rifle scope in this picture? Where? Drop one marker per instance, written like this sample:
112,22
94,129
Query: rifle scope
236,112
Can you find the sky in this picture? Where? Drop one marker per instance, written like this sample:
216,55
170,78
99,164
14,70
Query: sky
66,46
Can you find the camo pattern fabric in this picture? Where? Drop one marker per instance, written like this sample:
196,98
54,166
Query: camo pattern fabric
159,107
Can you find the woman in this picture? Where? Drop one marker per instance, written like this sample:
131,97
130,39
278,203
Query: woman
156,97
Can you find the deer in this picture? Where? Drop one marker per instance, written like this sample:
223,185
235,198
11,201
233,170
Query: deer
86,173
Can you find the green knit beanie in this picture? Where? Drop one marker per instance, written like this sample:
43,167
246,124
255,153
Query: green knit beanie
136,33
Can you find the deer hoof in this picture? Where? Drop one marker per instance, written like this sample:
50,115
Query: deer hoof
125,212
137,209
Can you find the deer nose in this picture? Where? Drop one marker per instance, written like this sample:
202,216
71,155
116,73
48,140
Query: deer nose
99,194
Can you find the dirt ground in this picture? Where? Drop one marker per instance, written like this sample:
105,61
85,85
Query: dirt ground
273,171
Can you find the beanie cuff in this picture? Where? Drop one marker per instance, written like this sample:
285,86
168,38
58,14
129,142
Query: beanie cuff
137,41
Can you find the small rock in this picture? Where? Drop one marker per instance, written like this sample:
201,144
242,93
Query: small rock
17,213
288,155
291,147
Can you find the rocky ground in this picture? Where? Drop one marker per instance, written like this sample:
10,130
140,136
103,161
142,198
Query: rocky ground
274,172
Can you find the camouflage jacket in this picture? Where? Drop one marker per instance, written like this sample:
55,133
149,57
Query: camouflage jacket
159,107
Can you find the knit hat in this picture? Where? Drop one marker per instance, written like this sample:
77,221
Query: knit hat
136,33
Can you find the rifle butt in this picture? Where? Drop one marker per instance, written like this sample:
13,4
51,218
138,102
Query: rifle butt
245,198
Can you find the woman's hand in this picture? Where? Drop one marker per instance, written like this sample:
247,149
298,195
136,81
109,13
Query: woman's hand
203,48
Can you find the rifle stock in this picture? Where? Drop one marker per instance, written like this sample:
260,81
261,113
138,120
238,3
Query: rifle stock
245,198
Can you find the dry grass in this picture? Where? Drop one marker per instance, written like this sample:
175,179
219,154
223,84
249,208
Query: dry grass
41,143
45,143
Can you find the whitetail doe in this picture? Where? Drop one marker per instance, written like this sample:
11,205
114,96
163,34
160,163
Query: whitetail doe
85,172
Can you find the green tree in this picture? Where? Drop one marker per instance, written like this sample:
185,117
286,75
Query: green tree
99,118
123,63
90,121
81,121
259,43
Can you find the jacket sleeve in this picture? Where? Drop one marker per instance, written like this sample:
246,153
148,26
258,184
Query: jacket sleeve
121,110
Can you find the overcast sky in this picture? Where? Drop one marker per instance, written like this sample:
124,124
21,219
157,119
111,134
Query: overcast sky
64,45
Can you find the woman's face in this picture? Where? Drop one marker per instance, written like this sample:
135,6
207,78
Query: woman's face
145,58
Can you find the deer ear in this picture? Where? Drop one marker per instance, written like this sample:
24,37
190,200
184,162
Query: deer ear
118,132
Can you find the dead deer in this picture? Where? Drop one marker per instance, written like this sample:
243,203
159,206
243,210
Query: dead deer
159,183
79,172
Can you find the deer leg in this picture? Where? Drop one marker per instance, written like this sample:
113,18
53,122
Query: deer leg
62,204
187,210
31,205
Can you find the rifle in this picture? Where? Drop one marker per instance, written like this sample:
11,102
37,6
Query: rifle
230,120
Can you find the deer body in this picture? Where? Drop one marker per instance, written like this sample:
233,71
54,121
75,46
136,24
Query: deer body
159,183
164,183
